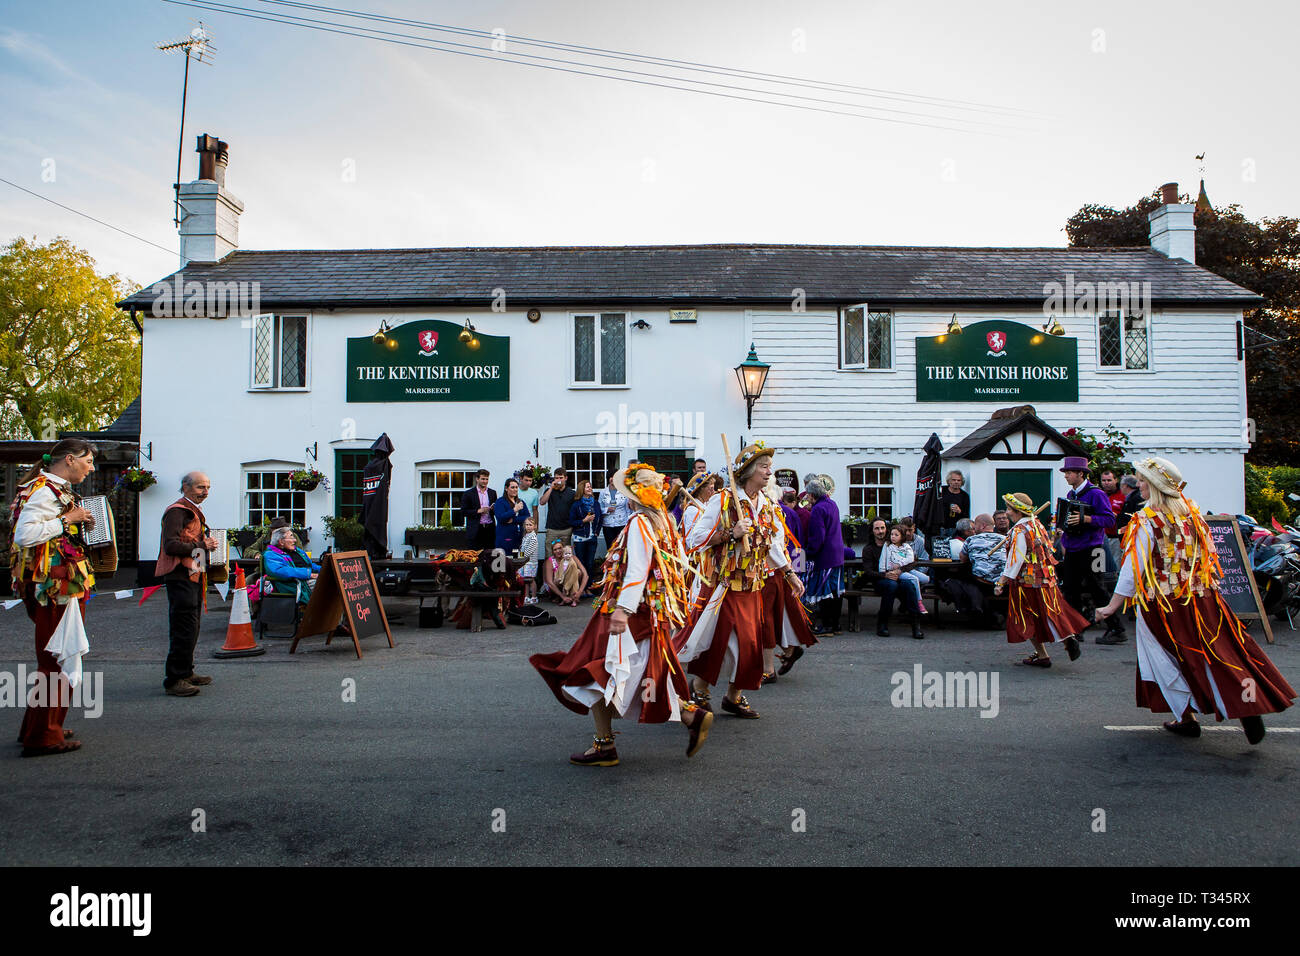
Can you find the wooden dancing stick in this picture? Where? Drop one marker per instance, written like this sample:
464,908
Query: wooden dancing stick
735,492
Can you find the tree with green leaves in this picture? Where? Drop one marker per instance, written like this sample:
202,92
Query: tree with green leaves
1262,256
69,358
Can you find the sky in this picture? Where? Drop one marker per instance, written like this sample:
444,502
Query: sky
344,142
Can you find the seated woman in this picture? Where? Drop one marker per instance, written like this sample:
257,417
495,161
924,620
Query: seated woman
566,578
288,567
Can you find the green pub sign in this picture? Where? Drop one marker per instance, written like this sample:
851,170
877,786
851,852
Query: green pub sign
425,361
997,361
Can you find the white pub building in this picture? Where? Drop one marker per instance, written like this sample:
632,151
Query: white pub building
257,363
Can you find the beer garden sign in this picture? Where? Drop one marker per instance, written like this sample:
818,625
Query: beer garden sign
997,361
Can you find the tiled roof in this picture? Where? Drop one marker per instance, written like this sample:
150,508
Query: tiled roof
126,428
696,275
977,445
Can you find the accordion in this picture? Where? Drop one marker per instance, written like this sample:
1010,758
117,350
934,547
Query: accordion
100,537
1070,506
219,557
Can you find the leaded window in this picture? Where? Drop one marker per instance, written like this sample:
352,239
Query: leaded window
279,351
1123,341
600,349
866,338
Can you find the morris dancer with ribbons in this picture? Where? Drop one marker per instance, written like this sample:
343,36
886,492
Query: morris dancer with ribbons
1194,655
1036,611
785,619
696,495
52,576
741,529
624,664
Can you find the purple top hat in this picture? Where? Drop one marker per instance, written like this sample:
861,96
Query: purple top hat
1073,463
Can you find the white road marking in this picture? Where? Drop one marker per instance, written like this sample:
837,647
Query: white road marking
1210,730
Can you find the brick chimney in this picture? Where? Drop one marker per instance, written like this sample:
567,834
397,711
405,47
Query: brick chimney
209,212
1173,233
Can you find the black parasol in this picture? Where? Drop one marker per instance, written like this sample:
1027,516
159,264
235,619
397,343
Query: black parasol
926,511
375,479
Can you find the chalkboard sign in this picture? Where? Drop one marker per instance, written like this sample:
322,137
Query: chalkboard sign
1238,583
787,479
345,591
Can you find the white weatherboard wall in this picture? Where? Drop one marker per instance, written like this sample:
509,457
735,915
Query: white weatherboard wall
1190,406
197,409
199,413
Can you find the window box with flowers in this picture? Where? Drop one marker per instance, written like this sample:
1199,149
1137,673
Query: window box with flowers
442,537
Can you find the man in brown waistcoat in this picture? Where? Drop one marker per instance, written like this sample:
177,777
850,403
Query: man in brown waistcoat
182,565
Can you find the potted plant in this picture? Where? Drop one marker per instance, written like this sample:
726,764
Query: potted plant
1107,450
135,479
308,479
347,533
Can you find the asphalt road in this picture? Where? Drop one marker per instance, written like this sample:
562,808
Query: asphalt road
455,752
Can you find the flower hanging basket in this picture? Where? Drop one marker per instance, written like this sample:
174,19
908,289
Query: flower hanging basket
307,480
136,479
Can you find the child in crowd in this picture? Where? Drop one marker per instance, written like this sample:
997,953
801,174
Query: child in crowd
897,555
528,551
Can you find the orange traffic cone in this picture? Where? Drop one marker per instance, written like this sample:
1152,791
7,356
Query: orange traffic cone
239,633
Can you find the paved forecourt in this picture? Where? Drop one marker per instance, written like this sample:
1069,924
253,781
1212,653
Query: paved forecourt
454,752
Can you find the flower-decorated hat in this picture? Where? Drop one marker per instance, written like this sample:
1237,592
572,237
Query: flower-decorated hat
751,453
1161,474
699,479
1023,503
641,483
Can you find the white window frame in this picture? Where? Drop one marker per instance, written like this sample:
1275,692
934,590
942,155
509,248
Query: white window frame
893,488
1124,315
598,481
266,467
841,330
273,383
627,348
442,464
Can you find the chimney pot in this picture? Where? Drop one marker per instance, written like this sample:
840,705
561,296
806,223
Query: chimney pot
210,214
1173,231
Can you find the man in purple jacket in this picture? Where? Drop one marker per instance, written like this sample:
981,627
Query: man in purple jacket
1084,541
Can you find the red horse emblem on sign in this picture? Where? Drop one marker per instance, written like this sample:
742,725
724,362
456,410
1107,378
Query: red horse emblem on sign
428,342
997,344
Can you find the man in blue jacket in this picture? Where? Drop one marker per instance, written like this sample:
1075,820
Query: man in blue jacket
1084,541
476,511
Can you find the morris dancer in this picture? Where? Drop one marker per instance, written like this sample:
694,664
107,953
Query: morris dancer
1036,612
785,620
624,665
745,538
1194,655
698,491
52,576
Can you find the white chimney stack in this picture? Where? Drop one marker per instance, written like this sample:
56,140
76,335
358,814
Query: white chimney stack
1173,232
209,212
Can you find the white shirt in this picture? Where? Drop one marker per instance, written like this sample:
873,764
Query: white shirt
39,520
640,539
708,522
1016,551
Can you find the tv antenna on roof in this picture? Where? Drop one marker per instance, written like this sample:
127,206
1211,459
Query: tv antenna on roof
197,46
